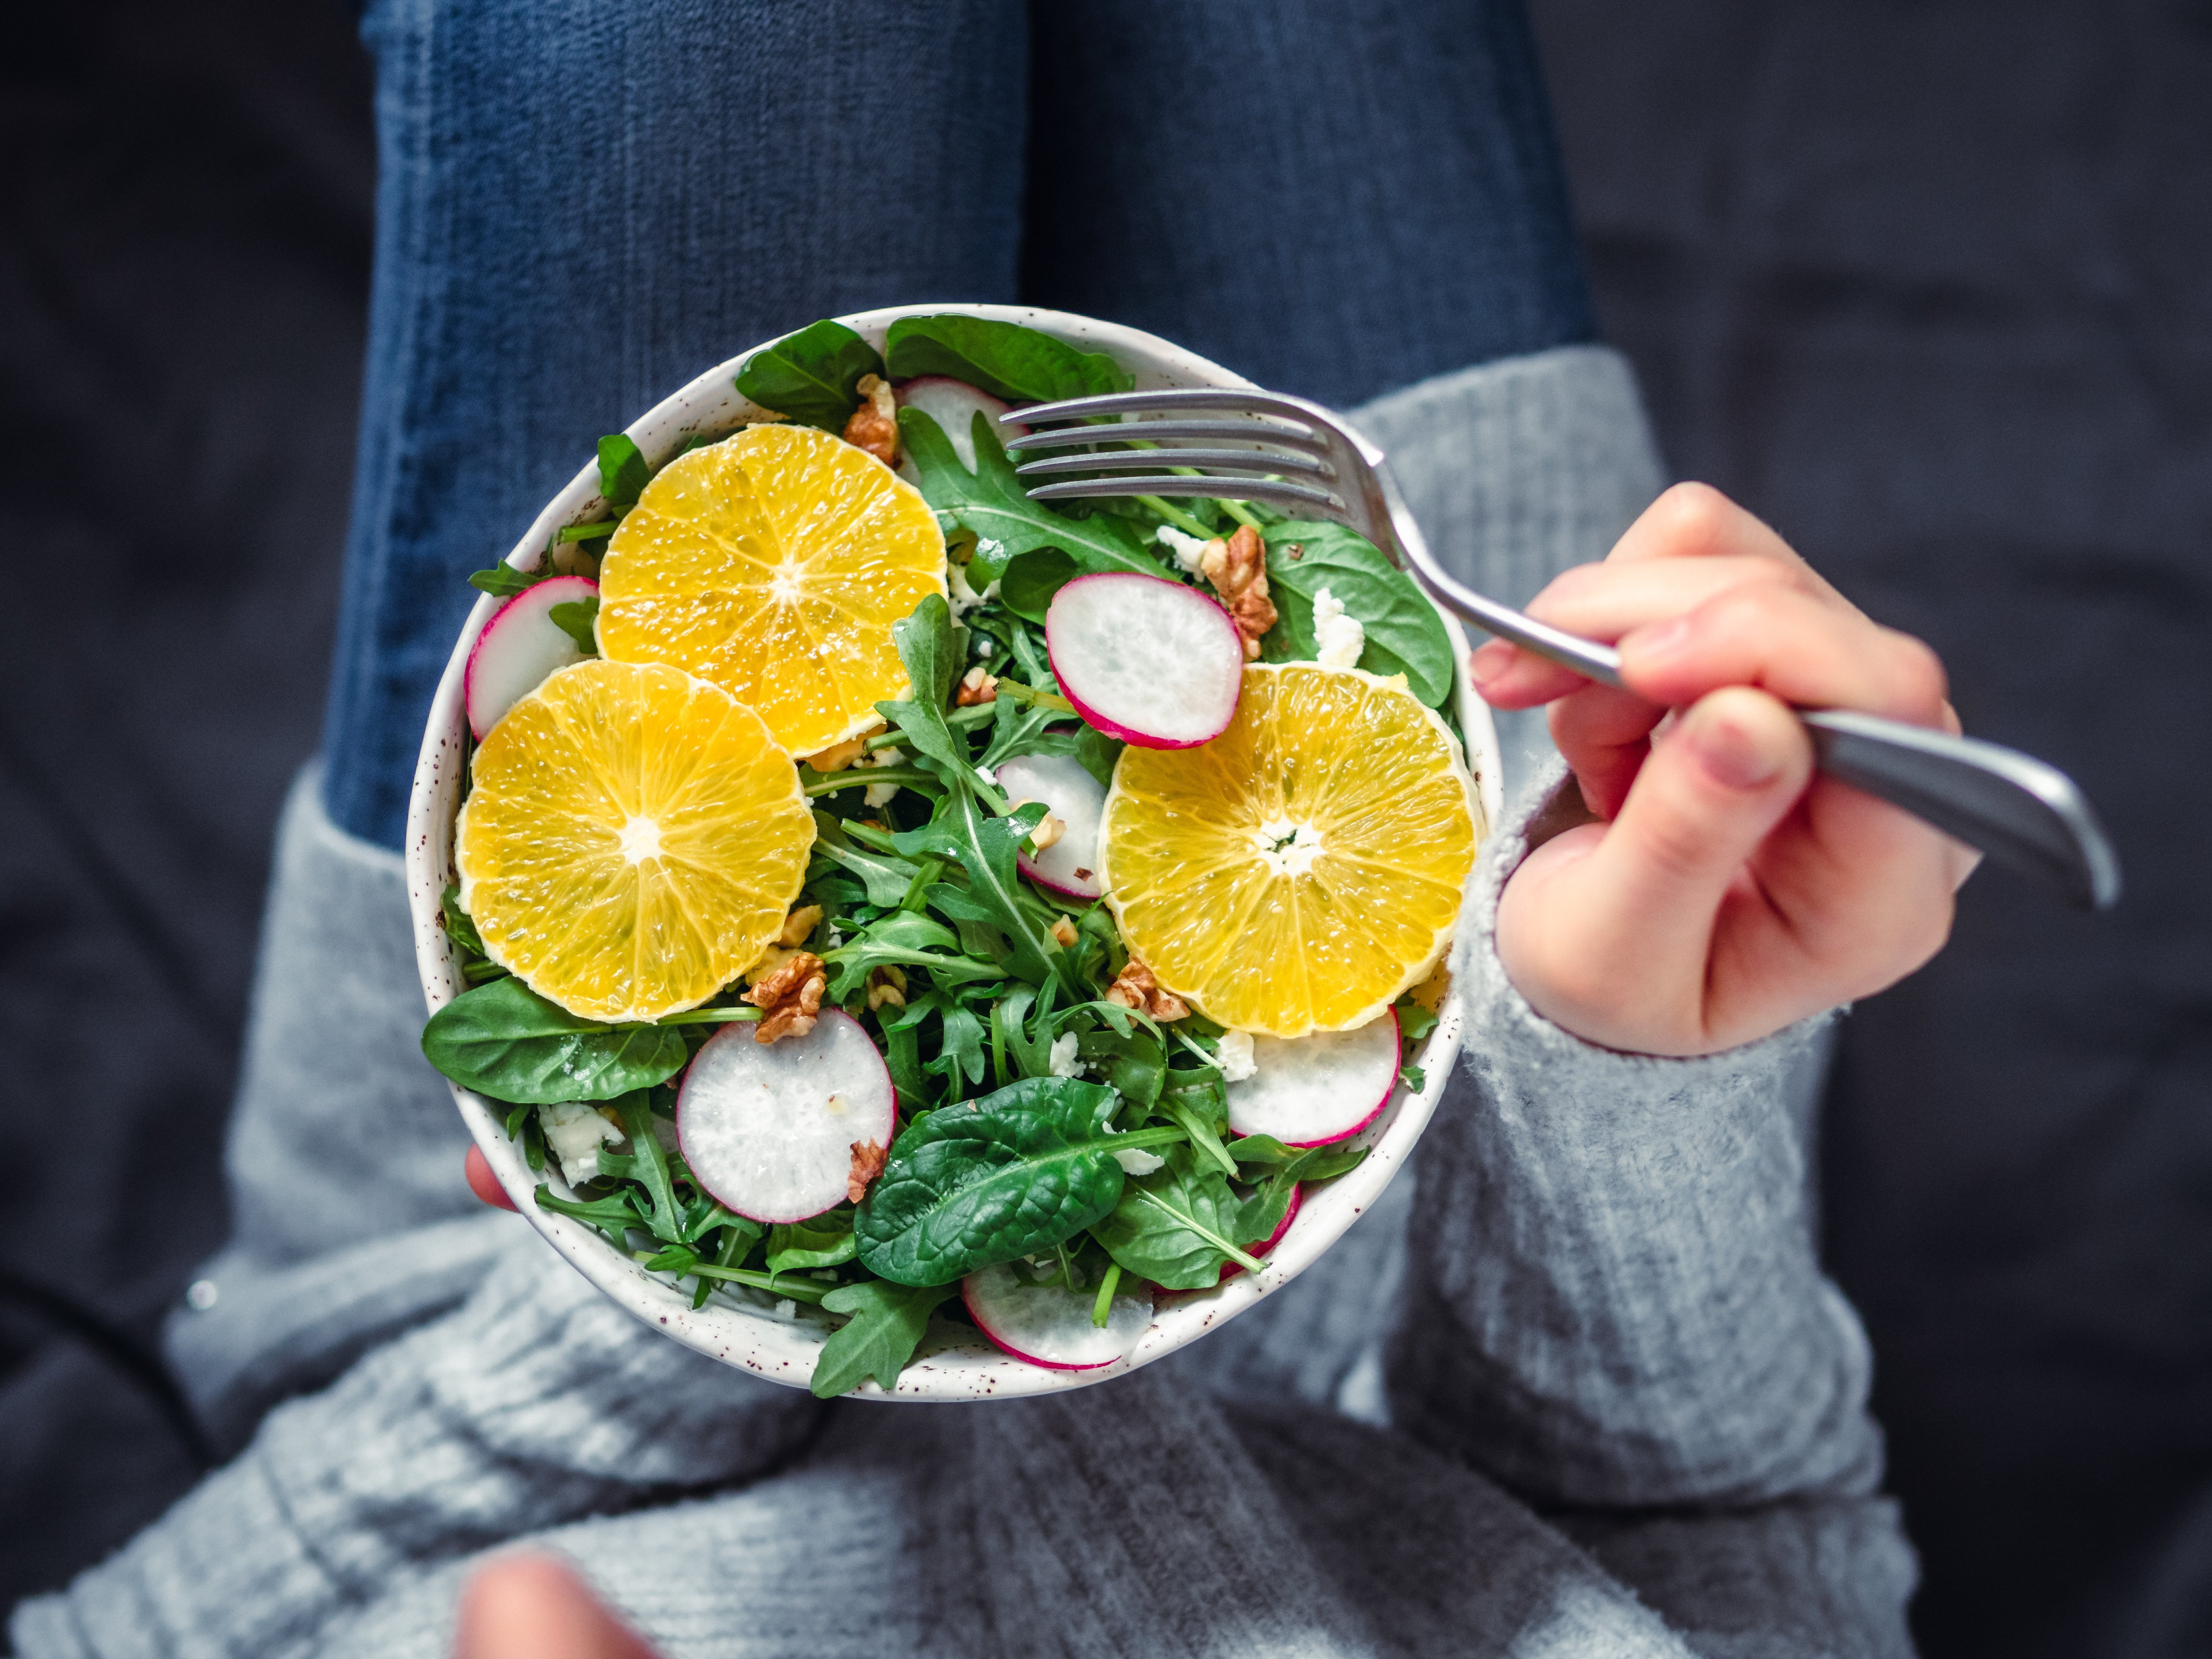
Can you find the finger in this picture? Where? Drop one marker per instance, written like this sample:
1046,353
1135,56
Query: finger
531,1606
482,1182
1605,735
1696,522
1606,601
1792,644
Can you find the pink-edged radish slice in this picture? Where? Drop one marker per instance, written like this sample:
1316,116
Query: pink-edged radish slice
1069,864
519,648
1145,659
1310,1090
1052,1328
768,1128
954,404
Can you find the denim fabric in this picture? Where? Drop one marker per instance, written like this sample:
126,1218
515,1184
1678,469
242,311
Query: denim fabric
583,203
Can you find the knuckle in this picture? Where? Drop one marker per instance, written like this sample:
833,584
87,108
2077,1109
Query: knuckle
1922,681
1694,513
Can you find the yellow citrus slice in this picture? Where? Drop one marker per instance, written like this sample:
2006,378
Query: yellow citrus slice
1304,867
773,563
632,840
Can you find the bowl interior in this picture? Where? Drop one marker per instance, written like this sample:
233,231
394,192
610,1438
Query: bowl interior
739,1326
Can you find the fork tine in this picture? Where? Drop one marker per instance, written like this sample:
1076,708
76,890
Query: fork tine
1245,399
1154,431
1272,491
1124,460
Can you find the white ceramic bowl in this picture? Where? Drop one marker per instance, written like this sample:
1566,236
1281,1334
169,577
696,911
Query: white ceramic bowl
738,1327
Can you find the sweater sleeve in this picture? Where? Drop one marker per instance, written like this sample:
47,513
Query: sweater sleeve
1612,1297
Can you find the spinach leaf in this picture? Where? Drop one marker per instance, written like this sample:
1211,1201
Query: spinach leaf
1023,365
991,501
622,471
475,963
1177,1226
812,376
1404,635
1134,1063
985,847
1032,579
886,1327
1019,1171
506,1040
1099,753
824,1242
574,618
504,581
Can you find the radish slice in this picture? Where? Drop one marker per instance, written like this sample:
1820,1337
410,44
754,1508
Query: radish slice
768,1128
519,648
1053,1327
1231,1269
953,404
1310,1090
1145,659
1069,864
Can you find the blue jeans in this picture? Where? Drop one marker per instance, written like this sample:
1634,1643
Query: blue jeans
583,203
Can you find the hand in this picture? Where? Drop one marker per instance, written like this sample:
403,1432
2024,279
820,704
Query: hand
1724,890
531,1606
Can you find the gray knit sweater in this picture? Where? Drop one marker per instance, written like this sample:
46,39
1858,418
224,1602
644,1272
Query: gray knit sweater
1583,1391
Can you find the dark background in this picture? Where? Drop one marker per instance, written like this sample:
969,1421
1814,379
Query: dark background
1925,284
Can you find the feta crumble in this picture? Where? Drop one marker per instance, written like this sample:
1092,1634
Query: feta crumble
965,598
1338,639
879,794
1062,1060
1232,1052
1189,551
573,1133
1136,1161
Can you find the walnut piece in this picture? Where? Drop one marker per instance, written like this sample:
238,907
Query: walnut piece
788,998
1238,570
1135,987
887,987
867,1164
976,687
875,425
839,756
1063,933
1048,833
799,927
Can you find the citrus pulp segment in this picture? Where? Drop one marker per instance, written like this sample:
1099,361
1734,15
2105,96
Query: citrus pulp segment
1304,867
773,563
632,840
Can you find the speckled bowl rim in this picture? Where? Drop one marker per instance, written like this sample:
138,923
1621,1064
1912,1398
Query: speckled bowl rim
756,1339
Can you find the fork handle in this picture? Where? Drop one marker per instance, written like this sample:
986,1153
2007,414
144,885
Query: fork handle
2024,813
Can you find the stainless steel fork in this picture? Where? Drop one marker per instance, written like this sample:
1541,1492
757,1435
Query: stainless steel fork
1310,462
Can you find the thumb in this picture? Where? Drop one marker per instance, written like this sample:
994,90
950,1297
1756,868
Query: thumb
531,1606
1728,771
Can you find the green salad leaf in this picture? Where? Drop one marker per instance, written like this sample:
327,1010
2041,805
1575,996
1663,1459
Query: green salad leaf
575,617
1178,1226
1023,365
505,1040
812,376
504,581
624,474
1404,635
992,501
984,848
824,1241
932,647
886,1327
1019,1171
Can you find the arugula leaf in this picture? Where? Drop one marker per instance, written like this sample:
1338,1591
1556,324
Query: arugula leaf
993,503
961,1051
1099,753
986,846
824,1242
812,376
1032,579
932,646
1133,1063
1023,365
1175,1226
886,1327
1404,635
646,1164
504,581
613,1217
506,1040
905,938
575,618
1415,1022
1020,1170
477,964
622,471
1018,728
885,875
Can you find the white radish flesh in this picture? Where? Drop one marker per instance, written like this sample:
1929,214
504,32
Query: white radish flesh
1069,864
1052,1328
1310,1090
1144,659
954,404
768,1128
519,648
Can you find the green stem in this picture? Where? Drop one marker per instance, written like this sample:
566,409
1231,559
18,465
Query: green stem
798,1291
859,777
1035,698
979,714
708,1017
1251,1264
917,891
1106,1287
1176,516
586,532
1238,511
1137,1140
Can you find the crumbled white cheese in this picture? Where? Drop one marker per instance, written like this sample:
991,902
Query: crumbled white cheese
964,597
879,794
787,1309
1338,639
1136,1161
1232,1052
1063,1062
983,645
1188,551
573,1135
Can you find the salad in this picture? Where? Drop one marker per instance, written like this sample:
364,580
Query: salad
883,893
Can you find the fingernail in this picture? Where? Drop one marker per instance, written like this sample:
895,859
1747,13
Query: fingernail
1731,755
1658,639
1489,661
